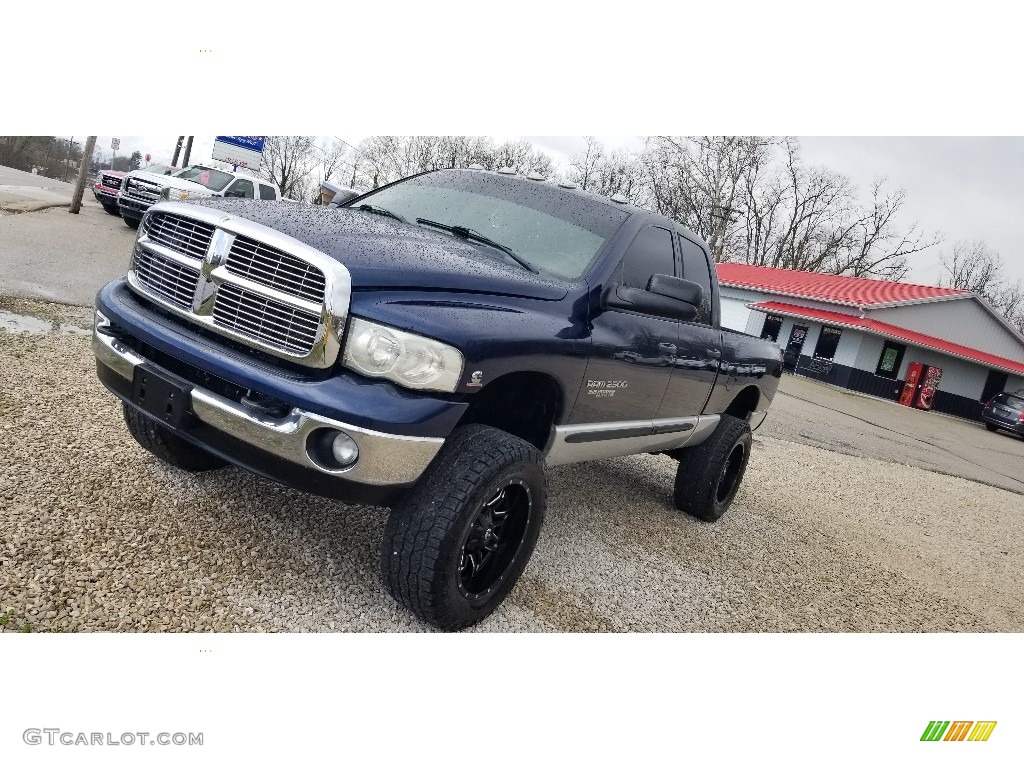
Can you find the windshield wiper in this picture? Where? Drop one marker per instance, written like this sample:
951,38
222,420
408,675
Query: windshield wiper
380,211
471,234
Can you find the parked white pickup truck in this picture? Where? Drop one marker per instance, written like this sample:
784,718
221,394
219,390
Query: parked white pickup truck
140,189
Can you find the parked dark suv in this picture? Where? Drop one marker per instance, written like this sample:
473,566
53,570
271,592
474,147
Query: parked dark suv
1005,411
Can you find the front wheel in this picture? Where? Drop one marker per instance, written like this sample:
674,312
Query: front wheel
167,446
453,549
709,474
991,427
133,223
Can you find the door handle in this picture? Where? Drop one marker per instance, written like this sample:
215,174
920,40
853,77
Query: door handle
664,346
715,354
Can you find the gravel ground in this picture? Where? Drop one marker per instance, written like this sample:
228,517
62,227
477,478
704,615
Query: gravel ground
97,535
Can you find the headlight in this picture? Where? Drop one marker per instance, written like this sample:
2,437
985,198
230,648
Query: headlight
404,358
170,193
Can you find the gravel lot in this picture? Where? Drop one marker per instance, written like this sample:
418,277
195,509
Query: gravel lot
96,535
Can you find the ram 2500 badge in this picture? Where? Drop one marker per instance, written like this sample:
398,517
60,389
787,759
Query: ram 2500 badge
431,346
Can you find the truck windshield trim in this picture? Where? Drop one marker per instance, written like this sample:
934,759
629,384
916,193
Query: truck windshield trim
557,232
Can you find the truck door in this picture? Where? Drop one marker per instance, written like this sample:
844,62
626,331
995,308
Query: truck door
699,348
631,358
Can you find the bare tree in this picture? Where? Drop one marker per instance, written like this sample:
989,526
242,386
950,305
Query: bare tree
288,161
973,266
383,159
702,181
607,173
754,200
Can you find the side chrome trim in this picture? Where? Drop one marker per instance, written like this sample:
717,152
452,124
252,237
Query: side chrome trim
586,442
384,459
337,292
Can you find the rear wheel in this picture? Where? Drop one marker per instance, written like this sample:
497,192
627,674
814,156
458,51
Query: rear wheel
453,549
167,446
709,474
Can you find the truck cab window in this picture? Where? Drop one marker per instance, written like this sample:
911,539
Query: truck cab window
241,188
696,269
267,193
649,254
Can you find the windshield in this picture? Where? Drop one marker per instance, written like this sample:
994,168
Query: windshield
159,170
208,177
554,230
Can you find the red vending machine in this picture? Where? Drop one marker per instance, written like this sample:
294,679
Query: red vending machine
909,393
921,385
929,386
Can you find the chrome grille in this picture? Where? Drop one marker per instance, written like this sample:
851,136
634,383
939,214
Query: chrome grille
276,269
111,181
186,236
268,320
242,280
140,191
166,278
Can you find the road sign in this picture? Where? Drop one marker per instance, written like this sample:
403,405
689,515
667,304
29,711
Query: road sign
115,144
148,156
243,151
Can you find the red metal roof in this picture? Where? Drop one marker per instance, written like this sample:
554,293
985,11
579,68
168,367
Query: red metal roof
891,331
857,291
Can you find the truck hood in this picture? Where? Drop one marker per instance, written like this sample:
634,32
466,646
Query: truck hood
380,252
171,181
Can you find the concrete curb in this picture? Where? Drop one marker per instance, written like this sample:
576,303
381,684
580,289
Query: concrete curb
30,206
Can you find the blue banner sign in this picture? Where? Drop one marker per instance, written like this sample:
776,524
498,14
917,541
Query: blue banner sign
254,143
241,151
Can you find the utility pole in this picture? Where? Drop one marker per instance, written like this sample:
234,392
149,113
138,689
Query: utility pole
177,150
67,159
83,174
188,151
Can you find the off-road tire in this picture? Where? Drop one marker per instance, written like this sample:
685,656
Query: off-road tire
111,209
425,540
131,222
709,474
167,446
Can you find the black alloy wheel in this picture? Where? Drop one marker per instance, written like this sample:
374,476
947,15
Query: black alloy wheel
455,547
494,540
709,474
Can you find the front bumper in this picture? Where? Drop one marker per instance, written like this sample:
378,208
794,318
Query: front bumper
278,448
105,195
1010,425
132,208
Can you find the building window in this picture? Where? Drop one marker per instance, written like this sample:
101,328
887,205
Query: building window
890,359
772,326
828,340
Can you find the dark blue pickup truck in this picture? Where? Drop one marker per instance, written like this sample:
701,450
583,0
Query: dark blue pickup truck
431,346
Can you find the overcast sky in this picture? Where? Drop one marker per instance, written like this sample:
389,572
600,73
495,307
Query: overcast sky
964,187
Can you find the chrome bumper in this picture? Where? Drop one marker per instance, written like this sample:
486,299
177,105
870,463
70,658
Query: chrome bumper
383,459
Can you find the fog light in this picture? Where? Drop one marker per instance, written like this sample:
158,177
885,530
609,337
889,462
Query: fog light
344,449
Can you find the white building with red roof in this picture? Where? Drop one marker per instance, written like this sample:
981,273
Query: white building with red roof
873,335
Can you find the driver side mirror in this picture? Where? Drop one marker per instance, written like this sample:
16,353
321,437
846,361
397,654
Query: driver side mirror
666,296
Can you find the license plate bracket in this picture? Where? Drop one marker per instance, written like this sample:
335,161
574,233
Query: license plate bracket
165,397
